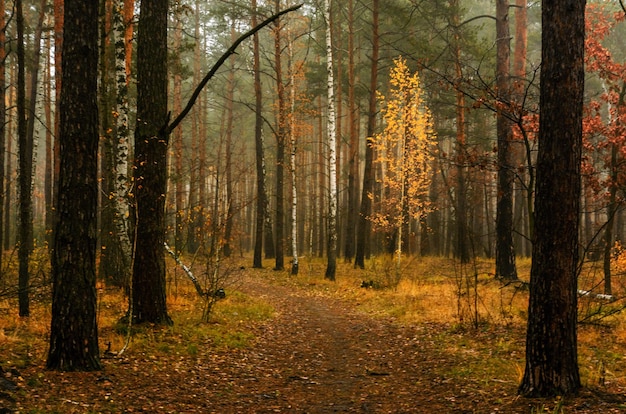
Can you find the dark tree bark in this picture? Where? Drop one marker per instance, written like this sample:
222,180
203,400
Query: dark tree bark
363,224
74,333
230,196
261,201
280,147
25,168
353,150
151,141
551,355
505,253
3,120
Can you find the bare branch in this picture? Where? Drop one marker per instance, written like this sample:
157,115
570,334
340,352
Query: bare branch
192,100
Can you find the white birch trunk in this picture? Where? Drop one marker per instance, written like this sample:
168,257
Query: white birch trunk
121,190
332,151
292,162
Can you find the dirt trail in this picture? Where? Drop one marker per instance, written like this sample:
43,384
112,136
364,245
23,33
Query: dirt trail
323,356
318,354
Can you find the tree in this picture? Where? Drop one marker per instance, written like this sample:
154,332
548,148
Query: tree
150,175
363,224
331,266
261,200
3,134
353,149
551,354
281,133
151,141
74,332
505,253
25,169
405,149
604,121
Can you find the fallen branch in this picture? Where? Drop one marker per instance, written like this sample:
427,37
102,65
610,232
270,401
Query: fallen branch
602,296
186,269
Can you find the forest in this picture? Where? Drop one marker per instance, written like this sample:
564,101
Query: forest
315,206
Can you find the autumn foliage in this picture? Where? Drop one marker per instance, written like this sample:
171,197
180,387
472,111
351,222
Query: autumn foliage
404,152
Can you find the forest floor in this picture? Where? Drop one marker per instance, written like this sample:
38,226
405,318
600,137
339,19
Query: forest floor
318,352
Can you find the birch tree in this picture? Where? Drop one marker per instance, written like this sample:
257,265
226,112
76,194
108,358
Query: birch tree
405,150
331,130
121,115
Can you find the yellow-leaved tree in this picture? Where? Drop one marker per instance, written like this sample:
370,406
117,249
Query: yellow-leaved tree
404,151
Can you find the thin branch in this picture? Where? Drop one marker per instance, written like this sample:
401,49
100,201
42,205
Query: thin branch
192,100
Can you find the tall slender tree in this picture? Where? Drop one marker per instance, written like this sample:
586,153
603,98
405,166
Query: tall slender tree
551,343
263,229
331,266
363,224
281,124
505,253
3,134
353,149
73,332
25,170
151,142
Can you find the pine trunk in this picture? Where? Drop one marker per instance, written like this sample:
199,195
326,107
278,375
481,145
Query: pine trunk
551,345
25,171
151,142
363,224
505,253
74,332
280,147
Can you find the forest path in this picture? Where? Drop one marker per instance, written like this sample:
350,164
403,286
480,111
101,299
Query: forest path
321,355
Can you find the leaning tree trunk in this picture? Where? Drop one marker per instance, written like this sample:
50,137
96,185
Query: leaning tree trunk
74,331
551,353
332,156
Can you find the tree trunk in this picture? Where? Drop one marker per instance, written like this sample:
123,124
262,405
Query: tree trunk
551,354
505,253
151,141
462,248
230,198
177,144
262,230
74,332
332,157
58,83
280,147
25,171
3,120
363,223
353,151
110,265
292,162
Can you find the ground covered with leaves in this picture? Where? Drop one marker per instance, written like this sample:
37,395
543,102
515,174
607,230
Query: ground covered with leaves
292,345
